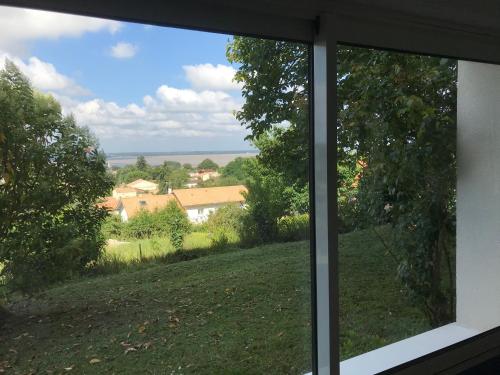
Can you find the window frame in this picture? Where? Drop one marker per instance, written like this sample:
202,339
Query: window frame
344,23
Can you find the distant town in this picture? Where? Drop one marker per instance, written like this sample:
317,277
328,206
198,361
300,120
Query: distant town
190,157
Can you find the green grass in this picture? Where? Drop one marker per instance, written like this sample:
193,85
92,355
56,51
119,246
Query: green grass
155,247
239,312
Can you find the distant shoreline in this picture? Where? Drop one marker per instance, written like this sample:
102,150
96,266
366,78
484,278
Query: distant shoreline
120,159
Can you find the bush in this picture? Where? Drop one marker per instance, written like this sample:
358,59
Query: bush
170,221
293,228
223,225
143,225
177,223
61,254
112,227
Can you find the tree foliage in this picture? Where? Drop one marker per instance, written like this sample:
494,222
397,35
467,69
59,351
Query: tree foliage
396,113
235,168
52,173
141,163
208,164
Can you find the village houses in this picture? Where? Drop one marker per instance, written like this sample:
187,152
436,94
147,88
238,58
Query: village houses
128,200
199,203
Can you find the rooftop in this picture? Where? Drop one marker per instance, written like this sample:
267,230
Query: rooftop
212,195
148,202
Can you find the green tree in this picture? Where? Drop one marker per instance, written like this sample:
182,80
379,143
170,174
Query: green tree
52,175
397,113
267,200
208,164
141,163
177,223
173,179
187,166
235,168
275,89
130,173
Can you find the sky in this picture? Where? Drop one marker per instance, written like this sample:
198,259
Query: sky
139,88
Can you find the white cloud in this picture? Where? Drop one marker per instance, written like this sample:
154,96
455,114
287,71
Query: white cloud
20,26
123,50
211,77
44,75
170,112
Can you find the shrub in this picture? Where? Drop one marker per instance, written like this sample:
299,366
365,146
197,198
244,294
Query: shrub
177,223
223,225
61,254
143,225
293,228
113,227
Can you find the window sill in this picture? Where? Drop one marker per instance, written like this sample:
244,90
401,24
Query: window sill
403,351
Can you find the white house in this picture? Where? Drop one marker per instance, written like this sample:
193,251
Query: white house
199,203
129,207
126,192
147,186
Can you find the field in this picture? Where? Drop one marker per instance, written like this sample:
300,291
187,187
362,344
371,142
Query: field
243,311
154,247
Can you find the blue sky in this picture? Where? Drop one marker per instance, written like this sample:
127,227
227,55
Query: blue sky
137,87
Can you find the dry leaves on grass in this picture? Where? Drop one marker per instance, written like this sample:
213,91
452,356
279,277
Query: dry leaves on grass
135,347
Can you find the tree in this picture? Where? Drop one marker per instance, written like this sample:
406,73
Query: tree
52,175
130,173
141,163
208,164
396,113
173,179
235,168
267,200
187,166
177,223
275,89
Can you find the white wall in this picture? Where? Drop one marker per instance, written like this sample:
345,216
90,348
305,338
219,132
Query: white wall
478,196
199,217
123,214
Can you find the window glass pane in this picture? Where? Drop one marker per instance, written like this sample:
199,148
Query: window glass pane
154,200
397,134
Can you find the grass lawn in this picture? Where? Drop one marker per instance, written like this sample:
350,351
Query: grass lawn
240,312
155,247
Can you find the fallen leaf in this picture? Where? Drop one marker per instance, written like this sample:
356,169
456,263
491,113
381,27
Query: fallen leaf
94,360
131,349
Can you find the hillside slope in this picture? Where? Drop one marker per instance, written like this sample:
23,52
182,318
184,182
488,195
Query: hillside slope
241,312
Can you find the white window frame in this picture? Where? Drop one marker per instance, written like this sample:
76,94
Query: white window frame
323,26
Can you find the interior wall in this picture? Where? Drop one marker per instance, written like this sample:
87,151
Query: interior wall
478,196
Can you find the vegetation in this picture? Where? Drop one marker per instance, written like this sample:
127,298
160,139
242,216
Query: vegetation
397,115
293,228
170,221
236,169
208,164
245,310
224,225
410,150
170,175
52,173
177,223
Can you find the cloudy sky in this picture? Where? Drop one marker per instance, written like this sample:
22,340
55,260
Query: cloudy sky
137,87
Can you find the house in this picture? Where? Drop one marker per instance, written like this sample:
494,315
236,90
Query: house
130,207
126,192
147,186
109,203
199,203
204,174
